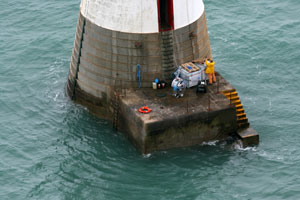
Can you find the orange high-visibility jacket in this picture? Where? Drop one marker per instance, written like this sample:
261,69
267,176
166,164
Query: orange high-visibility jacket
210,67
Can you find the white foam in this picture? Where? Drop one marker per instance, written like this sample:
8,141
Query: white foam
210,143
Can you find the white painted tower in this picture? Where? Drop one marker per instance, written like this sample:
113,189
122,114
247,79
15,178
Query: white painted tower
114,36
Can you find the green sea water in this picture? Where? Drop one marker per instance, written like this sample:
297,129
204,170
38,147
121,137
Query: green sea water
51,148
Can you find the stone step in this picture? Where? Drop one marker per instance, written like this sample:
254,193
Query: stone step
167,59
228,91
168,46
236,102
242,120
240,111
168,41
234,93
241,115
168,64
167,53
239,106
164,49
248,136
165,56
166,37
243,125
231,94
234,98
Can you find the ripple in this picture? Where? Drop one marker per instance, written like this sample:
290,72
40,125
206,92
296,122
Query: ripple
51,148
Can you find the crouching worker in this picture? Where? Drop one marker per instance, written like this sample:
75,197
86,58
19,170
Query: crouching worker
210,70
178,87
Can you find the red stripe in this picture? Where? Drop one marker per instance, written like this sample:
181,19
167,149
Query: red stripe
170,15
158,11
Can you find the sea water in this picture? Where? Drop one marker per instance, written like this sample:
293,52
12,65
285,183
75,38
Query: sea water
51,148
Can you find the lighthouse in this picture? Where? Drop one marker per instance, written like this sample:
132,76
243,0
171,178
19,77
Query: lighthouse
123,46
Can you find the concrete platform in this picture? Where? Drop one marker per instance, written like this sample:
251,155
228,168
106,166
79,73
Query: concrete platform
173,122
177,122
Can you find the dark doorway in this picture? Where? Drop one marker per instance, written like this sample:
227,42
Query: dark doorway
165,15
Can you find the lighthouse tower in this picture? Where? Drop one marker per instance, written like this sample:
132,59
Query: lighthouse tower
122,46
114,36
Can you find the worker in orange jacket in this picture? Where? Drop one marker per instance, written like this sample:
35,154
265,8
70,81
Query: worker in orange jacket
210,70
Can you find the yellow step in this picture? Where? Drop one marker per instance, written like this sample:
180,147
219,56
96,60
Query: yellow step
240,111
244,125
239,106
228,91
234,98
242,115
231,94
242,120
236,102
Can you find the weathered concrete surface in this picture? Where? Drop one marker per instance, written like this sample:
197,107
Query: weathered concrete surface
173,122
109,58
249,137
